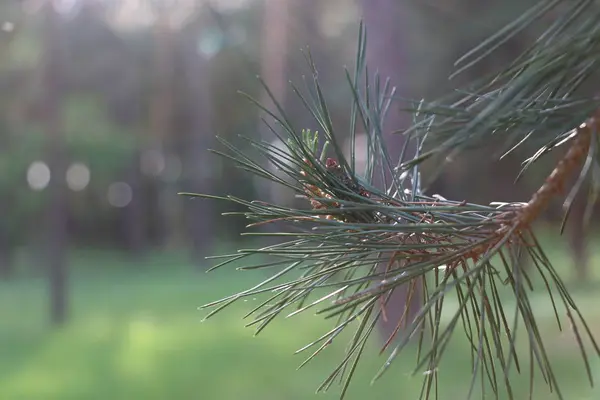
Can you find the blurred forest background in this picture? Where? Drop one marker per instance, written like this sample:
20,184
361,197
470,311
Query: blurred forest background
107,109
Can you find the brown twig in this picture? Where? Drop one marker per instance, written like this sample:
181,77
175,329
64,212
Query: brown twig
556,181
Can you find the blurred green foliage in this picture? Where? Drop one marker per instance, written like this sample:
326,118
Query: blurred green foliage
95,140
91,138
25,205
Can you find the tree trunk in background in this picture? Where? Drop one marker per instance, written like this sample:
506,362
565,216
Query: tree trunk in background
11,13
6,250
199,137
56,240
304,32
128,114
134,217
161,123
6,247
274,42
274,56
386,53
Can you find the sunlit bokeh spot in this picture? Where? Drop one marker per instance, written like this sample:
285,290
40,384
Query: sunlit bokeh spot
140,353
78,177
333,22
132,14
210,44
152,162
119,194
8,26
38,175
67,7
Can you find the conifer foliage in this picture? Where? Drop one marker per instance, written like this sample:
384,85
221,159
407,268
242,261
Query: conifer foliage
464,258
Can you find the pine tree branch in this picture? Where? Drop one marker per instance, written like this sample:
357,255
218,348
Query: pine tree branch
330,251
536,97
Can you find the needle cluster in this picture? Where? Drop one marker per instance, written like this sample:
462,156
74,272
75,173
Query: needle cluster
463,260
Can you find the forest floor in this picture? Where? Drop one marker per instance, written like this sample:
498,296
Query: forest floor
135,332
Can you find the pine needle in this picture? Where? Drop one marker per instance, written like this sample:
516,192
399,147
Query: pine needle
330,251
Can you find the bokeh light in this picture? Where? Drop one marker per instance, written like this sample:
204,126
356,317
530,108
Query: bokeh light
119,194
8,26
78,177
38,175
152,163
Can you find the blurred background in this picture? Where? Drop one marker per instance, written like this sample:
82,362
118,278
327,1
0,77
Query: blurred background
107,109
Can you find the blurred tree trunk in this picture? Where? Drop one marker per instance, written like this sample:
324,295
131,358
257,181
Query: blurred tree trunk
273,58
274,43
128,113
6,247
54,90
12,14
386,53
304,32
134,219
161,122
198,174
6,250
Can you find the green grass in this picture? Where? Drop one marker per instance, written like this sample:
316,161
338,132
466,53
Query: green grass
135,333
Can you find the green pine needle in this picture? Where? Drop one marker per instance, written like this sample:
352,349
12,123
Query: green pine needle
461,259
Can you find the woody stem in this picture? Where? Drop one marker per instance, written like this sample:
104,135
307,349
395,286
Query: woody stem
555,182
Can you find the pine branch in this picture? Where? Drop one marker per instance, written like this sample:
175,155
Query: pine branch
349,227
536,97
